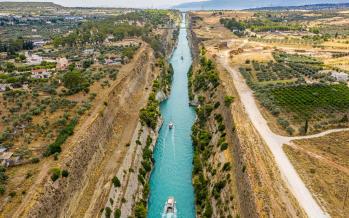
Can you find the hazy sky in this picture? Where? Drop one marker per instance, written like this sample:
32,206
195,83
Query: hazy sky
117,3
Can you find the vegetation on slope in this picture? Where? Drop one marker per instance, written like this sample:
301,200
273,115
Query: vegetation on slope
210,178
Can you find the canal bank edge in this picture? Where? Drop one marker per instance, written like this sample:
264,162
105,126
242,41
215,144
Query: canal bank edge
130,193
256,185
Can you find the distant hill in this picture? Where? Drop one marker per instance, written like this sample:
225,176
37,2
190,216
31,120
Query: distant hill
307,7
246,4
14,5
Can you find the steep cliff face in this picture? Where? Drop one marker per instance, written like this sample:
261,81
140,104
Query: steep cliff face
135,170
262,191
214,173
97,148
124,198
259,188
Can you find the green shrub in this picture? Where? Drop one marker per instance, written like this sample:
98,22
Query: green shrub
61,138
140,210
146,165
243,168
226,166
2,189
65,173
108,212
35,160
12,194
55,174
228,100
117,213
224,146
116,182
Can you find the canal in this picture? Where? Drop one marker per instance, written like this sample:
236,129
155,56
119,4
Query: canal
173,153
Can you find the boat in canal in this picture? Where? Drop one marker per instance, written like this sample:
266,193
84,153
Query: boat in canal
170,126
173,152
170,210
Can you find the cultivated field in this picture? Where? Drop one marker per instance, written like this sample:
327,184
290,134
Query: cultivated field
296,65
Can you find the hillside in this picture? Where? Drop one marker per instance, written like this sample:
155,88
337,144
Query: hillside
11,5
234,4
308,7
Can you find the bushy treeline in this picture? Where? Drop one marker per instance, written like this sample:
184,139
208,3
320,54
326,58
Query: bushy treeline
233,25
206,78
149,115
154,17
55,147
14,45
208,186
258,25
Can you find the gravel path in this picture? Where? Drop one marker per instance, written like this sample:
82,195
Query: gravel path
275,142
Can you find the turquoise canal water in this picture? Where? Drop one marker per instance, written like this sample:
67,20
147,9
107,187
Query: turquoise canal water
173,151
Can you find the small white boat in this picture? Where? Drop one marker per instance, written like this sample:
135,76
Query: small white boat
170,210
170,126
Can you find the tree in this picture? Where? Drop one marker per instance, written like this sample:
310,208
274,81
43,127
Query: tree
74,81
87,63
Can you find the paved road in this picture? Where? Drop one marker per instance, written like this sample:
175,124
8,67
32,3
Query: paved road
275,142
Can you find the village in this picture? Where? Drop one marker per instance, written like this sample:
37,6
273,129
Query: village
59,68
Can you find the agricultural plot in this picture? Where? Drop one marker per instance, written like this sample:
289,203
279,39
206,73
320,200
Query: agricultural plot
286,69
287,66
311,108
282,87
305,100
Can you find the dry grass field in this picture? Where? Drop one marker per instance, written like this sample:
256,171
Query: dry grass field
323,164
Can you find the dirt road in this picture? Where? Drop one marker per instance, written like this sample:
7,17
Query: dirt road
275,142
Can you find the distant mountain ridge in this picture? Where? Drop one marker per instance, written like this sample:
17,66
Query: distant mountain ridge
307,7
11,5
253,4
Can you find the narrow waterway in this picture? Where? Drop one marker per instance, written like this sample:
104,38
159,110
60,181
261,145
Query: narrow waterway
173,153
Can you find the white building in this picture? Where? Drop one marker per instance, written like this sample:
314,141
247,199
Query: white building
41,74
340,76
88,52
3,87
33,59
62,64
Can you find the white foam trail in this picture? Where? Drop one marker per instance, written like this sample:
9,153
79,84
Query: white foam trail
173,143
